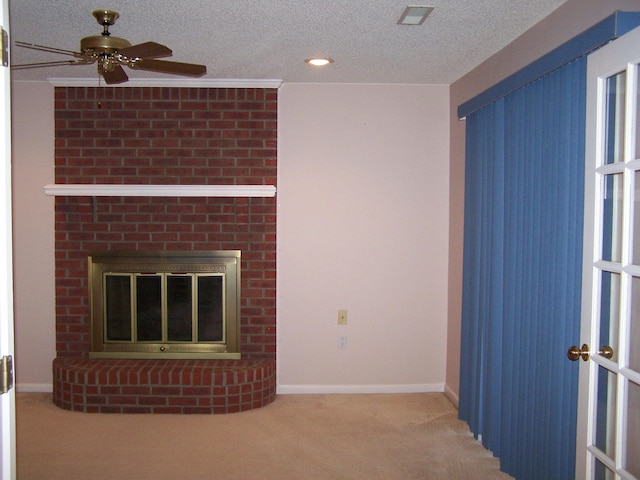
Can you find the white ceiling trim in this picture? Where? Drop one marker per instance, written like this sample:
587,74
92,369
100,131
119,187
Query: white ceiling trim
178,82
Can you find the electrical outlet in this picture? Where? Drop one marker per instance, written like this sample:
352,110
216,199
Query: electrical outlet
342,341
342,317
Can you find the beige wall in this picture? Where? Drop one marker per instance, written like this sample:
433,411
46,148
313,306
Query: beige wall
570,19
363,224
32,106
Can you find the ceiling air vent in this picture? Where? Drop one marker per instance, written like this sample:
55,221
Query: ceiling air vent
415,15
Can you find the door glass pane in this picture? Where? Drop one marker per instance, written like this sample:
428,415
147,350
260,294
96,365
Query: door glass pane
614,118
610,311
636,218
149,308
634,334
179,308
118,307
632,464
637,100
606,411
602,472
612,218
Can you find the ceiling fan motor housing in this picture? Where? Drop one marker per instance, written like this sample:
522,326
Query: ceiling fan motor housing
102,44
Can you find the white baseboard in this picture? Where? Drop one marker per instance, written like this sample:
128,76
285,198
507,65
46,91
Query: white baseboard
309,389
451,395
34,387
341,389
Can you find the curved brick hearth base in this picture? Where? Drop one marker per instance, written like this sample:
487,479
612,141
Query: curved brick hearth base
162,386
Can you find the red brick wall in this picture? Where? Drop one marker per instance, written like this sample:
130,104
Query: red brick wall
165,136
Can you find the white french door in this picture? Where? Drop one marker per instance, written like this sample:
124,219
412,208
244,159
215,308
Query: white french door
608,433
7,394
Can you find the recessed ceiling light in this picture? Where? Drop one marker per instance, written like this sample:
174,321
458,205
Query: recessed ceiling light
415,15
319,62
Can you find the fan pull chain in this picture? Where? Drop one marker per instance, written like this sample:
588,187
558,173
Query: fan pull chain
100,88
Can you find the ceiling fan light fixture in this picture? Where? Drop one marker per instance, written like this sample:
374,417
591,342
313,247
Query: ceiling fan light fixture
415,15
319,62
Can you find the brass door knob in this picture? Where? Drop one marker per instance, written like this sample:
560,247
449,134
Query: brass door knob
606,352
574,353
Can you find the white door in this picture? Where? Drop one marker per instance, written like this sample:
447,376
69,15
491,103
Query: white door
608,436
7,400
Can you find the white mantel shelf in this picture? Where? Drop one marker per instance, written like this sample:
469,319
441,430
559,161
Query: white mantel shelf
120,190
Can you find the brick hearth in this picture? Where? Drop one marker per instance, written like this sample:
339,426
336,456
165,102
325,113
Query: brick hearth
165,136
163,386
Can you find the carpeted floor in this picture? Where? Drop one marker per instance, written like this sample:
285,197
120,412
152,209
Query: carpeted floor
319,437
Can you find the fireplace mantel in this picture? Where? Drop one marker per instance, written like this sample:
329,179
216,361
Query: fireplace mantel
128,190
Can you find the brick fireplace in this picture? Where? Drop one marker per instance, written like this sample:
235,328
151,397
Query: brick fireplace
165,136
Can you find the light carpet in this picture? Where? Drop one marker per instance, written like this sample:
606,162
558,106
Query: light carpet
319,437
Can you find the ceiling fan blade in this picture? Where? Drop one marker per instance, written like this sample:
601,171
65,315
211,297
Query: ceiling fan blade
44,48
51,64
146,50
117,75
176,68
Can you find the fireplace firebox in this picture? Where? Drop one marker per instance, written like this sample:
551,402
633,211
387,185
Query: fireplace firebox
165,305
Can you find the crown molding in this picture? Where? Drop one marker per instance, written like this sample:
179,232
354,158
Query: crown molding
171,82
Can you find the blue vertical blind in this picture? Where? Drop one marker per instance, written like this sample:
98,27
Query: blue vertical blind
522,273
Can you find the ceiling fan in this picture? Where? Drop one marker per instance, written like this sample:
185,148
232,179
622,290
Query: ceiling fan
112,53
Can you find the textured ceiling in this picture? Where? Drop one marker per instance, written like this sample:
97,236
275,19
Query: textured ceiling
269,39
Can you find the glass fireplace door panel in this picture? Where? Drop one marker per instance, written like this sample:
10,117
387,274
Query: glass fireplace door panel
118,307
165,304
210,308
149,308
179,308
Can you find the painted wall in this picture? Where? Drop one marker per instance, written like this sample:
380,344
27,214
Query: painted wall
570,19
362,226
33,140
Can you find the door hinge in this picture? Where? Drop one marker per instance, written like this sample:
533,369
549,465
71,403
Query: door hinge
6,374
4,47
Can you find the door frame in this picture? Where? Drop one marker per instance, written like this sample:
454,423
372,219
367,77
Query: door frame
609,58
7,400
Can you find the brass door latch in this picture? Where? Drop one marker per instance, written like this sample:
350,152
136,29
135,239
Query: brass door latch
575,353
